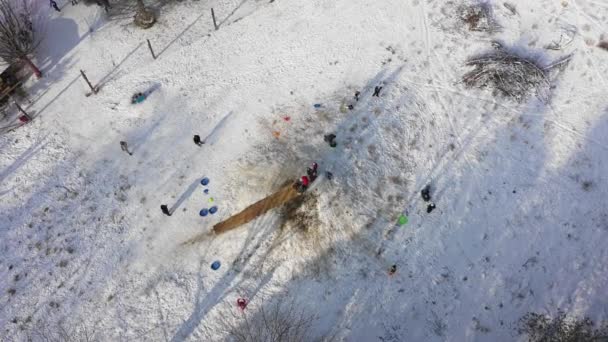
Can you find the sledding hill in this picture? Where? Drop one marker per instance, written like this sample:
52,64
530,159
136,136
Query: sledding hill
517,171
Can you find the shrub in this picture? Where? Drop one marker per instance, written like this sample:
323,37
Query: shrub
511,74
279,321
561,328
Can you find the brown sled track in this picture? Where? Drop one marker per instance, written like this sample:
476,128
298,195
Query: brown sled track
286,194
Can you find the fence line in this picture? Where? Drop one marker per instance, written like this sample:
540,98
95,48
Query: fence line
6,93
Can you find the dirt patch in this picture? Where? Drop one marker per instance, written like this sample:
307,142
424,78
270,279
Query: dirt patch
284,195
301,213
561,327
478,17
308,236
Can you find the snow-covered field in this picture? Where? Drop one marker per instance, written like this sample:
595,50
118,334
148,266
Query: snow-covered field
521,189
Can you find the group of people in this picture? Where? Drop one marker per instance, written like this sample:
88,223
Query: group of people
311,174
426,196
138,98
302,184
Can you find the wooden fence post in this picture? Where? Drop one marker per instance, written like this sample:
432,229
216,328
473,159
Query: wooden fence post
93,89
29,118
150,47
214,22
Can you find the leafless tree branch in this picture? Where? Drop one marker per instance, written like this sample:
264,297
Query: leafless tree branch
19,36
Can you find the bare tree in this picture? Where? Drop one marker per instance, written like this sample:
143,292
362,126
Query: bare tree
280,320
144,18
63,332
19,38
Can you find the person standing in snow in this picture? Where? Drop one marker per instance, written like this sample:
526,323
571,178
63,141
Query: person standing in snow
312,171
377,91
330,139
54,5
165,209
392,270
426,193
302,184
125,147
197,140
304,181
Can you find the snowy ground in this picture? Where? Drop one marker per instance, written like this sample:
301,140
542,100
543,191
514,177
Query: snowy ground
521,188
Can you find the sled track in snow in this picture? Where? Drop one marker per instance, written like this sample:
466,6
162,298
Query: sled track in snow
284,195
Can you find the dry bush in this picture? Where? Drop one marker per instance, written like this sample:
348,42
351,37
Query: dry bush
511,74
472,16
127,9
301,213
279,321
62,332
561,328
478,17
603,45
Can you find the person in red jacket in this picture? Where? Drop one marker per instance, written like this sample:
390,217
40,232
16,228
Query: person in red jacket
305,181
302,184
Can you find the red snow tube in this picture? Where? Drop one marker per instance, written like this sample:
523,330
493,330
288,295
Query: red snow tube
241,303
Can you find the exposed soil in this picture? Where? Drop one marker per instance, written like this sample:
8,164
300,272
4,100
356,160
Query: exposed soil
284,195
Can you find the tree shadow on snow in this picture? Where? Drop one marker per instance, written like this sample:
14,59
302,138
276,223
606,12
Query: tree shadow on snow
51,54
226,287
51,211
22,159
185,195
213,136
113,73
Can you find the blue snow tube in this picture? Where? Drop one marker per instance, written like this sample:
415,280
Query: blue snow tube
205,181
206,191
215,265
213,210
204,212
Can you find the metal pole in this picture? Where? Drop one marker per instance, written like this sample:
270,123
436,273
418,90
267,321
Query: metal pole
88,82
29,118
214,22
150,47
